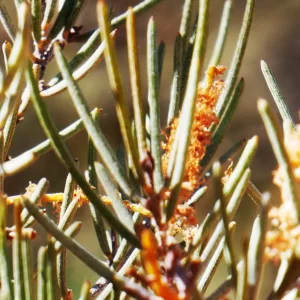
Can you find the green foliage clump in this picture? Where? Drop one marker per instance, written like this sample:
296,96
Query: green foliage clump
142,204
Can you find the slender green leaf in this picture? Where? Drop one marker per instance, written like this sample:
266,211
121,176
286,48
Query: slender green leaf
89,259
276,93
27,269
135,81
210,220
5,267
276,138
236,60
161,51
36,19
211,267
6,48
185,22
228,155
93,39
98,221
28,157
117,203
176,88
96,135
129,262
79,73
39,191
72,17
51,281
69,213
222,290
187,113
229,251
153,100
41,274
118,90
85,291
16,62
197,195
256,250
61,19
71,231
50,8
242,165
254,194
222,127
222,34
6,21
65,157
17,258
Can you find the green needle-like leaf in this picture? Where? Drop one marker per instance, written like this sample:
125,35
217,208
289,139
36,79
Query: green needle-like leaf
89,259
5,267
222,34
118,90
175,97
256,250
96,135
117,203
98,221
6,21
40,189
79,73
50,8
16,62
222,290
236,60
185,22
241,166
210,220
211,267
276,138
6,48
153,100
65,157
19,289
72,17
188,108
61,19
27,269
27,158
222,127
36,19
71,231
161,51
41,274
276,93
92,43
229,251
85,291
130,260
51,281
135,81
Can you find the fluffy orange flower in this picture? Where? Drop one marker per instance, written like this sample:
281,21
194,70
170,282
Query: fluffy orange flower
285,232
205,117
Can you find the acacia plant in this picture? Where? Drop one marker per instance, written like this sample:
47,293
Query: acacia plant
142,205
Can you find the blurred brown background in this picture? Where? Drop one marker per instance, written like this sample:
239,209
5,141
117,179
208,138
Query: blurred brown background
274,38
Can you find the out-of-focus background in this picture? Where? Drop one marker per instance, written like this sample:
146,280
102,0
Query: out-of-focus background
274,38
